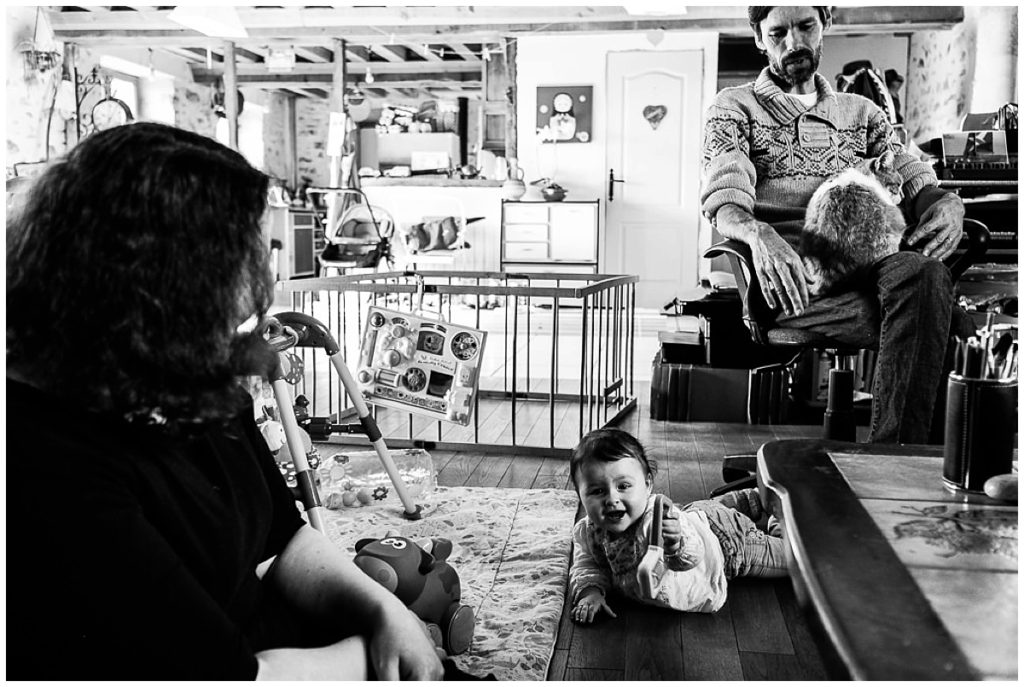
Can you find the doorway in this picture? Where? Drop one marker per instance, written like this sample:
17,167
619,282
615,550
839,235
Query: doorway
654,115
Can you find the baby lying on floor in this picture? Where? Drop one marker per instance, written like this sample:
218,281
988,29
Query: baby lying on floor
706,542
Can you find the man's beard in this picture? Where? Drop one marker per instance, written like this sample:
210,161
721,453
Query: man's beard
797,67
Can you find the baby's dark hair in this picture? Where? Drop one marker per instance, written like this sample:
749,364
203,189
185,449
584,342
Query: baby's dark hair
607,446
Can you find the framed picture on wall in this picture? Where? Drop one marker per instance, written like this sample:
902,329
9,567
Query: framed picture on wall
566,112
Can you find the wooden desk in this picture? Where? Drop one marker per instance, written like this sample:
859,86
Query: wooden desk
906,580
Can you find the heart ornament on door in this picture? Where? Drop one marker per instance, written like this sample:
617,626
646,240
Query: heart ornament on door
654,114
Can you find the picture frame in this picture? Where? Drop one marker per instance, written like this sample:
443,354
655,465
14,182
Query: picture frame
565,114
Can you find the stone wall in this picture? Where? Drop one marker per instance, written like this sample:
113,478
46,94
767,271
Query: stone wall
193,109
950,73
275,120
30,95
311,122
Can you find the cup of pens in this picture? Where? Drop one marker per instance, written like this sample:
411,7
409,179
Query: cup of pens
981,410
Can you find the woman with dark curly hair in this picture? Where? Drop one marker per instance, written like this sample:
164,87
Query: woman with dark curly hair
136,266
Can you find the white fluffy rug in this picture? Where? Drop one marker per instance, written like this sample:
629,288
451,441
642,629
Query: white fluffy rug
511,549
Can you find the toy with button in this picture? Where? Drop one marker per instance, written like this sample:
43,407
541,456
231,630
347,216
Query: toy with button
354,480
425,582
420,365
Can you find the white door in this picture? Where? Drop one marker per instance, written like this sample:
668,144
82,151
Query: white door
655,111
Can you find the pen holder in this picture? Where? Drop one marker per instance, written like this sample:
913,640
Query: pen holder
981,421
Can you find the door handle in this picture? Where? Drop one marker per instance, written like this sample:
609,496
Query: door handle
611,184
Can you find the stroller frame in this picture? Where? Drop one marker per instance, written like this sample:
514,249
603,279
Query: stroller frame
366,250
294,329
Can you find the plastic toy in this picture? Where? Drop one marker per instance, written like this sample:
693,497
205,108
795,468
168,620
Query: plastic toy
651,570
357,478
424,582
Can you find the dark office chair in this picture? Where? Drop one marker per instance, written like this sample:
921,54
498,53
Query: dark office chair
738,471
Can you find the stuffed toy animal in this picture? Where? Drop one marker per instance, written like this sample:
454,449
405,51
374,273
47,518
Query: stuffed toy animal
424,582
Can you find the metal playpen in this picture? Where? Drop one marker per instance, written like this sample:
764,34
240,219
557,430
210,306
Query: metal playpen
558,360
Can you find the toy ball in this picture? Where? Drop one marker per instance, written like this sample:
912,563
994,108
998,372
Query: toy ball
424,582
361,479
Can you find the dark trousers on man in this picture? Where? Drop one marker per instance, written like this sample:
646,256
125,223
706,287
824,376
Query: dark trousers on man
903,309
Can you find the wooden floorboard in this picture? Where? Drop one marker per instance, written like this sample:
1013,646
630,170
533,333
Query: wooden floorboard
709,646
652,644
758,618
760,666
489,471
521,473
760,633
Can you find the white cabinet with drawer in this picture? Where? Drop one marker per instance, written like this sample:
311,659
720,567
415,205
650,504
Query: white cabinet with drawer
301,238
543,236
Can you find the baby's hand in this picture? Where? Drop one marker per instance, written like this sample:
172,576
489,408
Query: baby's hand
588,606
671,531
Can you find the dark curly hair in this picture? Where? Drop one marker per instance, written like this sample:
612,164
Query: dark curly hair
757,13
607,446
130,265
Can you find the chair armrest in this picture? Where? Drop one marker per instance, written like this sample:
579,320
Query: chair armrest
756,314
977,236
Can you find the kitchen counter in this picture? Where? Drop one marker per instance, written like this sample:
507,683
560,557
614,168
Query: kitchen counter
433,180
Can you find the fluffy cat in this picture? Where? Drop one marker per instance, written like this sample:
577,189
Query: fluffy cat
852,222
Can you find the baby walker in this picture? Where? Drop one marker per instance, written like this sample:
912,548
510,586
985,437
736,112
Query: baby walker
293,329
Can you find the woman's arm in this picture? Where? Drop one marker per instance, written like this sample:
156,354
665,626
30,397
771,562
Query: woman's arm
322,582
344,660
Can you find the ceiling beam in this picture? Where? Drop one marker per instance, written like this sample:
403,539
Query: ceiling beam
314,25
391,53
423,51
313,53
372,18
464,51
452,67
319,81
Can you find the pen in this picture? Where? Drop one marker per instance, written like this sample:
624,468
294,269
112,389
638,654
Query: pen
974,360
997,356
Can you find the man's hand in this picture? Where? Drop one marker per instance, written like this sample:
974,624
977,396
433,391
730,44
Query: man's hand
943,224
588,606
780,271
401,649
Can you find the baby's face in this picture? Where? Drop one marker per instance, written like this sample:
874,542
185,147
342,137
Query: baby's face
614,494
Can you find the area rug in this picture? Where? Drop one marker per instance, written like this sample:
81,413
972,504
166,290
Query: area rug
511,549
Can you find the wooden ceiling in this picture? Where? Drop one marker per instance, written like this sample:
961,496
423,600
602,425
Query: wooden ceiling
410,51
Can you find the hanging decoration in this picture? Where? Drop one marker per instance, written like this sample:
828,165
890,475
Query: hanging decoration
566,111
654,114
37,61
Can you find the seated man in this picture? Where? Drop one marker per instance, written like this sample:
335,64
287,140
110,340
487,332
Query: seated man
767,146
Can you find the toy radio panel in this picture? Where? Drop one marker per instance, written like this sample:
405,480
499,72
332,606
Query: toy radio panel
421,365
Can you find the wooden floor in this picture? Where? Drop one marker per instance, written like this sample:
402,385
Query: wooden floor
759,634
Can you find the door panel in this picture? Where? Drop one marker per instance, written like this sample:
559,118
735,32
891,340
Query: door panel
654,130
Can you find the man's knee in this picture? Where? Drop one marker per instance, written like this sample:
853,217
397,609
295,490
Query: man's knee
909,268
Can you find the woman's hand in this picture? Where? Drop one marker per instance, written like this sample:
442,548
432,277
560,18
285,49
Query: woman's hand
588,606
401,649
324,584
